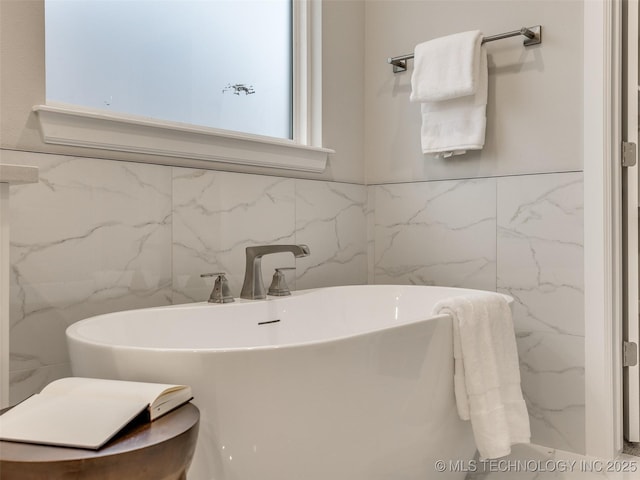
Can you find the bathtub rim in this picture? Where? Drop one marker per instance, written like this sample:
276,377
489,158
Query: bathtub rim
72,334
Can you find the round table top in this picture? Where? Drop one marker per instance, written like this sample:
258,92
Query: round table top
132,438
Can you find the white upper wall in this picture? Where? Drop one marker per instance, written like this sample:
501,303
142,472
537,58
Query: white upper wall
22,85
343,46
534,110
535,94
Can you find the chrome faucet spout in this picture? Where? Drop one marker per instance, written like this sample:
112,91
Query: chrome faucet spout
253,286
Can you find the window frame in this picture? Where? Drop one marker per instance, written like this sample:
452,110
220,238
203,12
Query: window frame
76,126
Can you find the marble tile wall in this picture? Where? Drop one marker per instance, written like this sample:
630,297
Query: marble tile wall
436,233
331,219
520,235
95,236
540,258
217,214
91,237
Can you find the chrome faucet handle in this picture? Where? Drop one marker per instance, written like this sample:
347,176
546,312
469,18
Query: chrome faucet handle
253,286
221,292
279,286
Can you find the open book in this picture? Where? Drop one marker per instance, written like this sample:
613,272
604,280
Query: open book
87,412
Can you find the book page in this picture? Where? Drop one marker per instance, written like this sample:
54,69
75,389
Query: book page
167,404
98,387
68,420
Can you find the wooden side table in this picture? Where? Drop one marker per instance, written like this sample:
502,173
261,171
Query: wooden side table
159,450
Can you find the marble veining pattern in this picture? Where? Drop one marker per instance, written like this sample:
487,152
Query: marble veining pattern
91,237
540,230
552,373
520,235
218,214
540,264
370,217
436,233
96,236
330,219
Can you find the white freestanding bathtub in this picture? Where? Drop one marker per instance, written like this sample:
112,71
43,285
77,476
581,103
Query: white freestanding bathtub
340,383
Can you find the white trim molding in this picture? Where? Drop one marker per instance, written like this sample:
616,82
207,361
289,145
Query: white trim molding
9,175
79,126
5,327
602,228
307,72
73,126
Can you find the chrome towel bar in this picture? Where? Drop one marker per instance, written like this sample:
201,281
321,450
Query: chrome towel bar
533,37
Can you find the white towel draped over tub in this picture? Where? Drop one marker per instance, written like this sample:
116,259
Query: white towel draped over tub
487,373
450,82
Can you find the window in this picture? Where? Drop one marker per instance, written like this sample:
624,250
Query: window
219,63
186,78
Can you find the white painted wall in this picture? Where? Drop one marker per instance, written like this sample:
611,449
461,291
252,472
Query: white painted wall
535,114
452,222
50,292
343,46
535,95
22,75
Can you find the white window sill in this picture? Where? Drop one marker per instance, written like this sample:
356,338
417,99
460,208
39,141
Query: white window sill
63,125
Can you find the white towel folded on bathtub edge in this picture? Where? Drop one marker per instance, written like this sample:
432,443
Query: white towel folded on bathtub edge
487,373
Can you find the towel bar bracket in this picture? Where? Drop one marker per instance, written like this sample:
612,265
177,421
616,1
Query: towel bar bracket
533,36
536,39
399,65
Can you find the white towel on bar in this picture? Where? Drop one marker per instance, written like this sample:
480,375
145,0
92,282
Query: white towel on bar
486,372
451,127
446,67
450,81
